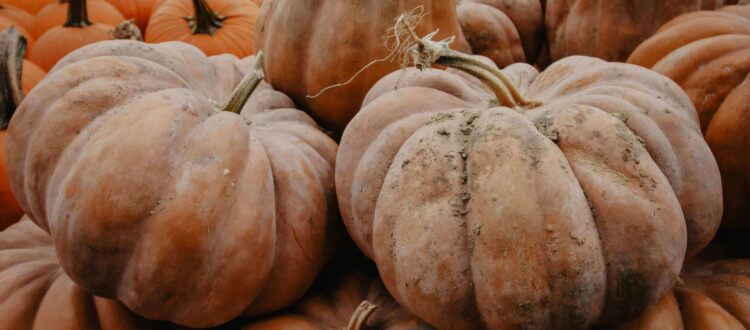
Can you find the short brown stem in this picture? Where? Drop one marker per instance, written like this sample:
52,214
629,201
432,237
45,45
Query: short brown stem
78,15
205,20
12,50
242,93
361,315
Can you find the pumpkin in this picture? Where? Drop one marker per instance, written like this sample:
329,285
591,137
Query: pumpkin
56,14
30,6
19,16
333,40
458,200
17,78
214,26
710,296
36,293
139,10
610,29
77,32
506,31
707,54
235,211
352,301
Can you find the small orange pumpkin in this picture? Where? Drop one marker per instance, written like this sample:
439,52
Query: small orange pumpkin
139,10
214,26
17,15
75,33
30,6
56,14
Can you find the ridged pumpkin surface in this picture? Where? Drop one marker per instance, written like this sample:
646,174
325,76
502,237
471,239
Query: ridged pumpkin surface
572,213
155,197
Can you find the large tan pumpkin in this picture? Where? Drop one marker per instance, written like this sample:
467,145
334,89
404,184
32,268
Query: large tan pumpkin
711,296
563,214
708,54
506,31
353,301
36,294
155,196
610,29
316,44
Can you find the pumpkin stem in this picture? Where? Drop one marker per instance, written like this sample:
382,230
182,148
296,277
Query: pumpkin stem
242,93
78,14
425,52
361,315
12,50
127,30
205,20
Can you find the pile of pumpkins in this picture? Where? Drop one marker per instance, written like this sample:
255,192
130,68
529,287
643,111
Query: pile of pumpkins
400,164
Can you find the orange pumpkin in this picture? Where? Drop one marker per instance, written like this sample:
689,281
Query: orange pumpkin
708,54
15,73
710,296
17,15
610,29
56,14
139,10
30,6
36,294
583,200
75,33
338,38
235,212
506,31
214,26
353,301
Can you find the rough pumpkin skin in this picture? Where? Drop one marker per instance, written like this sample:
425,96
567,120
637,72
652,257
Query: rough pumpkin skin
506,31
708,54
557,216
711,296
334,305
35,293
332,40
610,29
155,197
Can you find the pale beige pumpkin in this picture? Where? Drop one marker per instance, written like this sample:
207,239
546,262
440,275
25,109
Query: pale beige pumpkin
564,214
234,213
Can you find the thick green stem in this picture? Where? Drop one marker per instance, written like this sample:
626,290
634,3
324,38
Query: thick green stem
242,93
361,315
12,50
205,20
78,15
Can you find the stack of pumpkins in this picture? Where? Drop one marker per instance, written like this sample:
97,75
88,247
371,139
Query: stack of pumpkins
330,181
